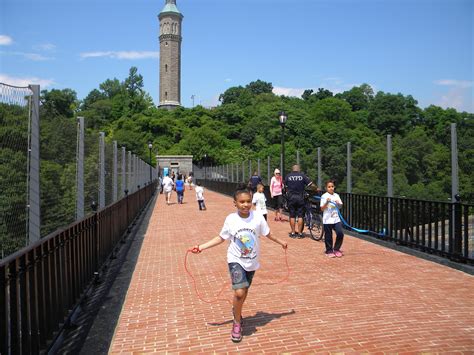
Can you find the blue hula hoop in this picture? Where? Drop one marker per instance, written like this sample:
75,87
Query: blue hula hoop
345,222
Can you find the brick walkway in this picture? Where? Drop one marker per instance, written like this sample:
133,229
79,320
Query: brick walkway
372,300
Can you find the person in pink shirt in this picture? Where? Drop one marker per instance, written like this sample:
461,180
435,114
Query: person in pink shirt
276,192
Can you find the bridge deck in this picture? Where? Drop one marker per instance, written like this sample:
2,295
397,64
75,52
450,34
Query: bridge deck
373,299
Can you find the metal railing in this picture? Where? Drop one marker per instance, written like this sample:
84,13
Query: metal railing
442,228
41,284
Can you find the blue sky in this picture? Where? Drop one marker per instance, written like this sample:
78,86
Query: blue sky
422,48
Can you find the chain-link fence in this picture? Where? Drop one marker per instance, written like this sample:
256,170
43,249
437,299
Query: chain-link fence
58,145
15,112
416,164
56,170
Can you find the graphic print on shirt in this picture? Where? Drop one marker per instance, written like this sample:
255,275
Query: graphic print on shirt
245,239
333,211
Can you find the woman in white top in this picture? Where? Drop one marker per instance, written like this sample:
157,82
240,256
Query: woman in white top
167,188
330,204
276,192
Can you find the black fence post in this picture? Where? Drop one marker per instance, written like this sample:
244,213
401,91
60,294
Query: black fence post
457,220
139,199
96,237
4,323
128,220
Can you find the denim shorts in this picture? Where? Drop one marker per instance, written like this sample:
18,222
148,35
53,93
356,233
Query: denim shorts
239,276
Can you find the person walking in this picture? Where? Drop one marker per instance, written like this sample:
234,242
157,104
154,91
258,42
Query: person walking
330,204
254,180
160,182
167,188
180,188
243,229
190,181
200,196
259,201
276,192
296,182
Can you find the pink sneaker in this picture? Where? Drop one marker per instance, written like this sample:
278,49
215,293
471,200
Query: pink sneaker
236,334
338,253
330,255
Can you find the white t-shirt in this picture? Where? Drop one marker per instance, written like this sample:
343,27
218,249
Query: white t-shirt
330,214
260,202
199,193
244,235
167,184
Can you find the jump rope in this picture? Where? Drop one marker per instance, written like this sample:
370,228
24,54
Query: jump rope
217,297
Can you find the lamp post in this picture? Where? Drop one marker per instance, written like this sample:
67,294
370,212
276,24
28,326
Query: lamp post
282,117
205,166
149,148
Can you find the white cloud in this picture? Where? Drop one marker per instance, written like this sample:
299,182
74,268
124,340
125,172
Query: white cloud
5,40
459,95
44,47
121,54
334,84
463,84
25,81
278,90
212,102
30,56
228,80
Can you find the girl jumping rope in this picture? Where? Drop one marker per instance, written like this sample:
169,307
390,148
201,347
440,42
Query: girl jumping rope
243,229
330,203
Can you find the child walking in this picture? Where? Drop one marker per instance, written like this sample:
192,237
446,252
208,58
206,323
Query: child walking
243,229
330,203
259,201
180,188
200,196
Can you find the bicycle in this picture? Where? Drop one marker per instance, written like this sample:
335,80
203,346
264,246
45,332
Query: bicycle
312,219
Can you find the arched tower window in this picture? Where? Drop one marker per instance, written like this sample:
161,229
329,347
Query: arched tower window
166,67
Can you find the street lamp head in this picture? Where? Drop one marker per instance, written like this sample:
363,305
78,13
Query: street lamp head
150,145
282,117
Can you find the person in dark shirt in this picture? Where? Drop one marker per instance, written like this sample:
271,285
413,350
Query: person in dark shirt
254,181
296,182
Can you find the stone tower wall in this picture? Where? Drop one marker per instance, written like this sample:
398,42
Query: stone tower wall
170,61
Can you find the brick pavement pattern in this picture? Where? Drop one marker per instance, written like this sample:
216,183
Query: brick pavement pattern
373,300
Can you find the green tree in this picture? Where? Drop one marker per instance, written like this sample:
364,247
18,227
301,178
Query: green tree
359,97
260,87
237,95
59,102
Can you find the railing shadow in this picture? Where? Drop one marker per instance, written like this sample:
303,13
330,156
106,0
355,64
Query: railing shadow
100,313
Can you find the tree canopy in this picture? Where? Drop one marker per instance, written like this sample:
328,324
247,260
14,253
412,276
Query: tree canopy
245,126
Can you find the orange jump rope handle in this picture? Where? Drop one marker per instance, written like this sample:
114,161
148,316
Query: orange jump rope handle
195,250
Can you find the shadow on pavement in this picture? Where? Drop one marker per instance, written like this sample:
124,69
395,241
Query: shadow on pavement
258,320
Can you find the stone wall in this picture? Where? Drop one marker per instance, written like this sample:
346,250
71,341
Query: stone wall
180,164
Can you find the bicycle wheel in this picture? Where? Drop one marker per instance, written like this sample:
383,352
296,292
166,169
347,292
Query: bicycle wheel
314,225
284,203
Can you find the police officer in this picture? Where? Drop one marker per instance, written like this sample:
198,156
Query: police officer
295,183
254,180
